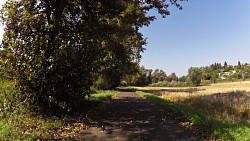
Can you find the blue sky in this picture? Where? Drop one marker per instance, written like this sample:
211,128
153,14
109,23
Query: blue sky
204,32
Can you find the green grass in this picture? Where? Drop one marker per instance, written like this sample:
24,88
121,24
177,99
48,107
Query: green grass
102,95
219,128
18,123
171,84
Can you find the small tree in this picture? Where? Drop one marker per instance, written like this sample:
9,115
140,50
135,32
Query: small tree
225,64
182,79
195,75
214,77
173,77
239,64
162,75
155,76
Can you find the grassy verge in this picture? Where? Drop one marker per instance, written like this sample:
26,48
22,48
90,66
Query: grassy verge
18,123
102,95
219,128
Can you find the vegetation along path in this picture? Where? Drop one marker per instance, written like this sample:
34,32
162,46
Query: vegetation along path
130,117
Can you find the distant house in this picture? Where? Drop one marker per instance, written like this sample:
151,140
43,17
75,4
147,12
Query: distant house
226,74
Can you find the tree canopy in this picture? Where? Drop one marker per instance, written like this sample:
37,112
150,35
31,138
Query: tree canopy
56,49
195,75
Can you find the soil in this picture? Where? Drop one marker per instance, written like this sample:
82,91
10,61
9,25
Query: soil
129,117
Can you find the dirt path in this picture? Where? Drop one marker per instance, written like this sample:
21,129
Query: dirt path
128,117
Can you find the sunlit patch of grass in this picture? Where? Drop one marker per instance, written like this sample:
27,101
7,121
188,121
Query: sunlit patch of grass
223,100
26,127
103,95
234,105
219,128
8,132
230,105
16,121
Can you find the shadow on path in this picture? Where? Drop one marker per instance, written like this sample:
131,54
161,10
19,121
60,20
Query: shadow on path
128,117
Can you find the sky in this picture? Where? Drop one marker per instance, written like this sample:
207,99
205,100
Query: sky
204,32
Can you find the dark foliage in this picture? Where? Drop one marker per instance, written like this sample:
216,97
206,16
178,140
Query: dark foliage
54,49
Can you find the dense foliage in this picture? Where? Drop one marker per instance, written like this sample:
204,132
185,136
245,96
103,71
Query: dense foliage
18,123
56,50
222,73
195,76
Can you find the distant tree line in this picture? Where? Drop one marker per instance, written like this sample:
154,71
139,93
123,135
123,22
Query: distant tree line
144,77
196,75
225,72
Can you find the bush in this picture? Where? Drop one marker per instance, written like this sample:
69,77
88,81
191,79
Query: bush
10,99
51,69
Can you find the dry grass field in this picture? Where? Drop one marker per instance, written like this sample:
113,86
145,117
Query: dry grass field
224,100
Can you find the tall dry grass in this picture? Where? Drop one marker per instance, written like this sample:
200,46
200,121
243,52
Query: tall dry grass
224,100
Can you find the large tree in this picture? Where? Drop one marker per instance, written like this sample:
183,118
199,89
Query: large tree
52,48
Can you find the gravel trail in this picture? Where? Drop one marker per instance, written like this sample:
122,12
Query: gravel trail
129,117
